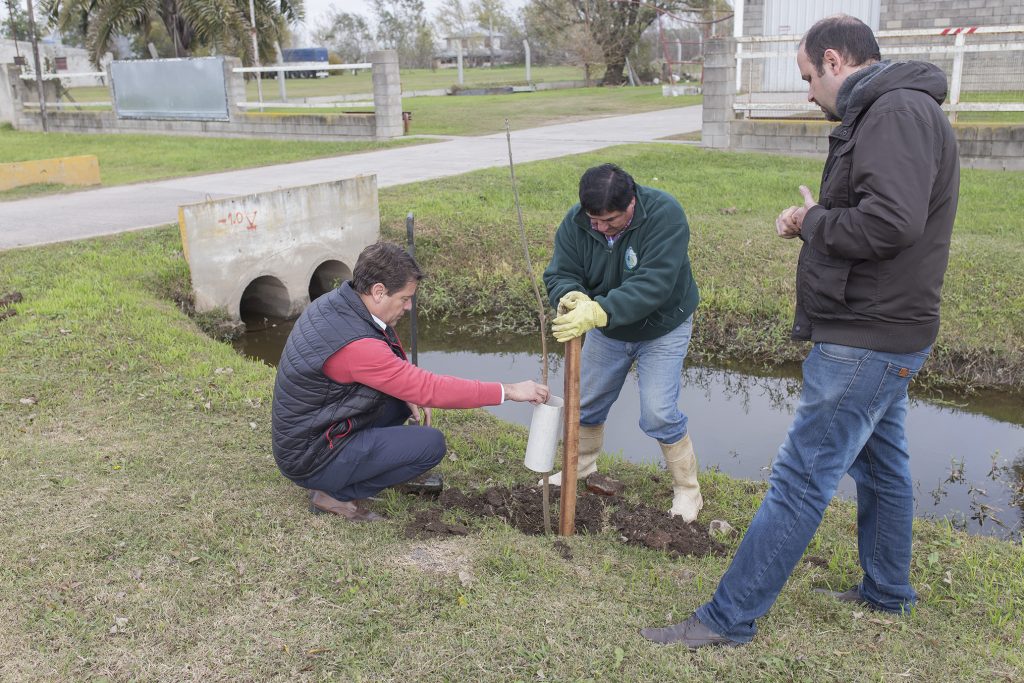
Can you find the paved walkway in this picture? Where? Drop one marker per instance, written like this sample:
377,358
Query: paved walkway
79,215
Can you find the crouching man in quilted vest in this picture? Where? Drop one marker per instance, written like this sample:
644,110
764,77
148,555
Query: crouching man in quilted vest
345,390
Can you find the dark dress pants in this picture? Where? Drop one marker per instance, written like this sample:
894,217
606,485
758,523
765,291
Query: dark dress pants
384,454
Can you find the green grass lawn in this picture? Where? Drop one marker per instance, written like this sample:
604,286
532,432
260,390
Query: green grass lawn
128,158
997,117
148,535
483,114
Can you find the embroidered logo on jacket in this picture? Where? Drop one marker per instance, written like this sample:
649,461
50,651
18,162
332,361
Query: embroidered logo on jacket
631,259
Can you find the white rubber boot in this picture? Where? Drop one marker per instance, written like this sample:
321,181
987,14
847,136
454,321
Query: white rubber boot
591,440
682,465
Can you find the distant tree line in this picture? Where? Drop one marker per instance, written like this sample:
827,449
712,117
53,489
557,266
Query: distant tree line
583,32
588,33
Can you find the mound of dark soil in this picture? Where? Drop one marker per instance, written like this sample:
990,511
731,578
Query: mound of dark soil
7,302
521,508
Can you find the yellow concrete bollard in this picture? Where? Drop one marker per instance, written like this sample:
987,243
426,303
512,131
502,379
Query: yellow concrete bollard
81,170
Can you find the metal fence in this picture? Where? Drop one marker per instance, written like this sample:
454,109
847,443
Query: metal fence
985,67
278,71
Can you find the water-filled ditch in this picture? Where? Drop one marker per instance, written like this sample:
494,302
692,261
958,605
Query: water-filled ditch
967,453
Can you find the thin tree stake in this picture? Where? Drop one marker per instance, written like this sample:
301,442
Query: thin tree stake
542,317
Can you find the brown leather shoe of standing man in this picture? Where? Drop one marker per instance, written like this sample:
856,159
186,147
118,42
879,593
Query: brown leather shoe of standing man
352,510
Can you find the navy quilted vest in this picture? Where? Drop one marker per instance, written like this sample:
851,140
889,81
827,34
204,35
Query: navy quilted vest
313,416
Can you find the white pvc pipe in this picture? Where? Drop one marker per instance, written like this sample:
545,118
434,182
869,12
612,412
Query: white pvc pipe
545,428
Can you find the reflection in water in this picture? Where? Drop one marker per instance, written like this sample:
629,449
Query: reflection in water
967,464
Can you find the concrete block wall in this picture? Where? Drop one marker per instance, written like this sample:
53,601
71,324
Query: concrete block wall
383,124
307,127
781,136
16,91
719,92
235,84
994,147
10,102
907,14
387,94
753,17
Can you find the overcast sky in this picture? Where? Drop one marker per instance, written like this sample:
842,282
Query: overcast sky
317,9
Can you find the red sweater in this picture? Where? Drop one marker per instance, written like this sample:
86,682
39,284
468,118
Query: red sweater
372,363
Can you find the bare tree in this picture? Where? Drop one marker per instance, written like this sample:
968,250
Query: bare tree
490,14
402,26
614,25
346,34
454,17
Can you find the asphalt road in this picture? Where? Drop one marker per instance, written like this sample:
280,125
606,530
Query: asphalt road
90,213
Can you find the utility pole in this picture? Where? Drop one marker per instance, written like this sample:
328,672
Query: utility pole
255,51
490,38
39,68
14,29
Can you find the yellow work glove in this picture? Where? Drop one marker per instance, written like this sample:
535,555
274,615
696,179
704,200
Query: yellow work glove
569,301
585,316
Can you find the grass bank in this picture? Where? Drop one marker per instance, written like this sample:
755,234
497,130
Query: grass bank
148,535
134,158
483,114
745,273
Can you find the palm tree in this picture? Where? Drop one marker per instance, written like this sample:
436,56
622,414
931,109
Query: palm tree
223,25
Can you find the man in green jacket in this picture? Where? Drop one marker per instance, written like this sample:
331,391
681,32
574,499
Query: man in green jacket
621,273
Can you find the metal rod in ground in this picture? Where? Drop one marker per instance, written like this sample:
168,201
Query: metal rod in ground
571,442
542,318
545,504
410,234
541,315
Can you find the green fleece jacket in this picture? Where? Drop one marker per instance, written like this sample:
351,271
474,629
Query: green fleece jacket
643,282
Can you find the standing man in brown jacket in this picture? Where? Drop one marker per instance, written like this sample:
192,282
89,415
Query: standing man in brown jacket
872,261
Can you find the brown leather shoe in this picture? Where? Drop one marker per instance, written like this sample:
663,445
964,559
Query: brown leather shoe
352,510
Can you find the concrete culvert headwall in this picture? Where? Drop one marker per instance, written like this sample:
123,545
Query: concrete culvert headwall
271,253
327,276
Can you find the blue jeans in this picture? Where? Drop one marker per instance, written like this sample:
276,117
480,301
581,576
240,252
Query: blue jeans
850,419
659,362
386,453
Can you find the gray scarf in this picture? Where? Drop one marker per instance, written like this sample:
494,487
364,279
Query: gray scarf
854,85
